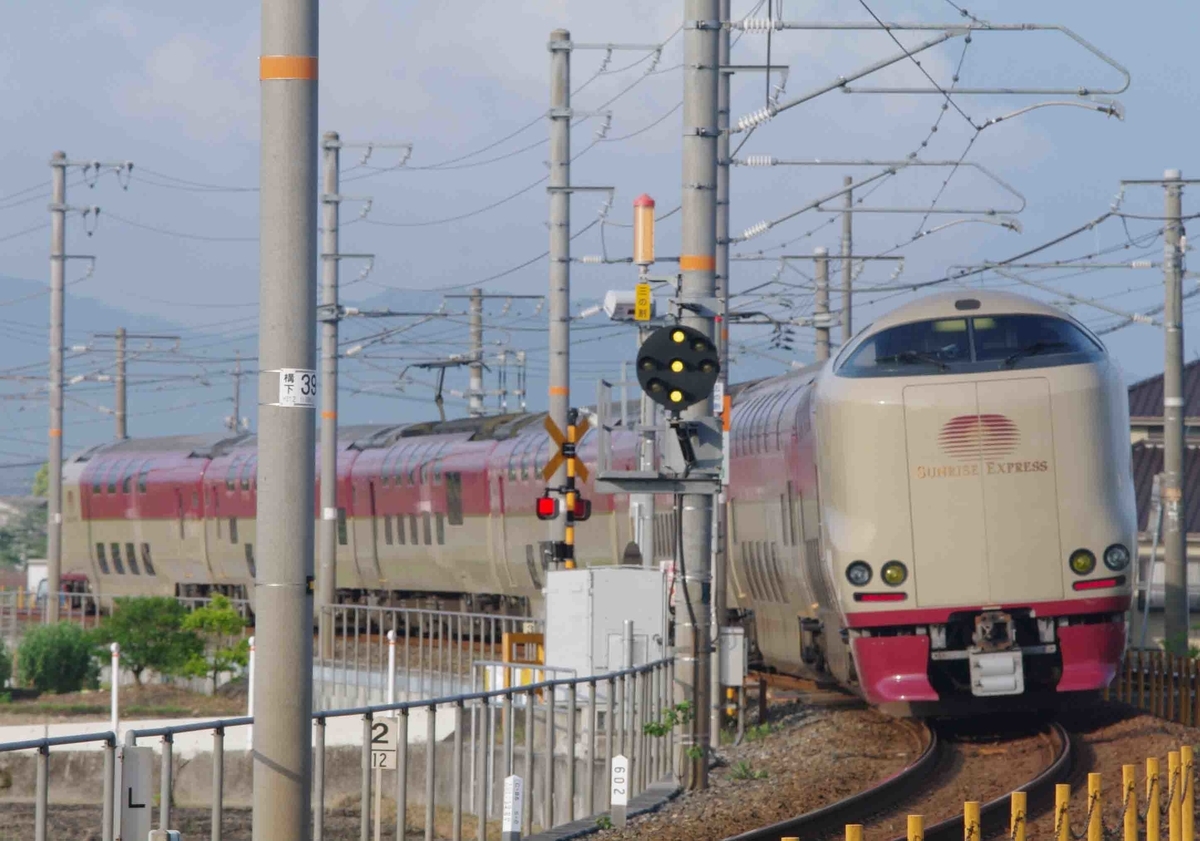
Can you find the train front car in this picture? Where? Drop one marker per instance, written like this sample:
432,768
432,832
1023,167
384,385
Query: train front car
977,505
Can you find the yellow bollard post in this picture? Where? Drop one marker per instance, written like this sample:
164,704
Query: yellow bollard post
916,828
1129,801
1174,805
854,832
1153,800
1188,760
1095,830
971,820
1062,815
1016,827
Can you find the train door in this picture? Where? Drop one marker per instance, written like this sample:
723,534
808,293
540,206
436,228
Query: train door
366,549
497,532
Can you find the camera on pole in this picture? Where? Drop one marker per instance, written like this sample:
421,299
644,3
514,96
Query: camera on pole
677,367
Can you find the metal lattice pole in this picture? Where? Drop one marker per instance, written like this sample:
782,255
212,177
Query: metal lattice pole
327,569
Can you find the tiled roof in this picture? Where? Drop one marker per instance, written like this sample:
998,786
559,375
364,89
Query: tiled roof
1146,397
1148,463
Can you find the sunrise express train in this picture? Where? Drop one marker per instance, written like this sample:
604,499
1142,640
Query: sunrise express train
941,514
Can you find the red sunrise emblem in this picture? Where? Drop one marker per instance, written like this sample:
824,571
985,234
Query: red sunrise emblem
973,437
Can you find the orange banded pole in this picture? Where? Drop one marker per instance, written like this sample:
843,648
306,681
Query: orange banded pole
568,450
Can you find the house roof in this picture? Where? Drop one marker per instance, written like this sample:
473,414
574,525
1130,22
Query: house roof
1148,463
1146,396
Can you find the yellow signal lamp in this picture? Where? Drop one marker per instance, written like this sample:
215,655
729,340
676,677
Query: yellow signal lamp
678,336
676,396
677,366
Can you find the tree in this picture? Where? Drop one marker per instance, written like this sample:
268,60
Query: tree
41,481
151,635
58,658
220,626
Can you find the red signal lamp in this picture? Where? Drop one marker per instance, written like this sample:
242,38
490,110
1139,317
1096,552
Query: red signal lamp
547,507
583,509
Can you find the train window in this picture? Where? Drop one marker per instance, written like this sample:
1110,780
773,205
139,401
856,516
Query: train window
426,532
454,508
131,559
141,482
233,537
437,472
412,528
400,529
116,558
127,477
982,343
343,537
441,529
97,485
231,473
247,469
147,564
1033,341
100,559
387,530
112,477
250,559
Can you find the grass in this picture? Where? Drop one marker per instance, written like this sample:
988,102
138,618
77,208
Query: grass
743,771
150,701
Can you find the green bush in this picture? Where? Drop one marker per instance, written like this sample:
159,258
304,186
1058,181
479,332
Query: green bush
151,635
58,658
225,650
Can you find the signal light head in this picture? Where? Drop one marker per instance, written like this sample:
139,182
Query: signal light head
583,509
677,367
547,507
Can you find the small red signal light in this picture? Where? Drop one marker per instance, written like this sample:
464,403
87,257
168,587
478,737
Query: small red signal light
583,509
547,508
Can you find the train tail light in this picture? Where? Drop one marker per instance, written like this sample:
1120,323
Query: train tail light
1099,583
879,597
547,507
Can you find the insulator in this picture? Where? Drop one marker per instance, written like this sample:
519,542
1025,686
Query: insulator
761,160
755,230
591,259
1141,264
760,26
757,118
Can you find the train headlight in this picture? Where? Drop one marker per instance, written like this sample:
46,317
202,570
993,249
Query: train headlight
1082,562
859,573
1116,557
894,573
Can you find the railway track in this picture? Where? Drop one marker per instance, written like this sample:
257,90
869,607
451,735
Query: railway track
911,784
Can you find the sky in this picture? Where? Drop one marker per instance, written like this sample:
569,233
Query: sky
176,93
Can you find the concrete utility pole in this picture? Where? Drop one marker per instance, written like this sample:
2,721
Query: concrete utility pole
327,567
720,520
697,264
821,306
475,393
58,236
122,431
560,249
120,341
287,383
237,392
847,261
1175,605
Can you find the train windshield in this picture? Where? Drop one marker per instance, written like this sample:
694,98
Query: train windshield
971,345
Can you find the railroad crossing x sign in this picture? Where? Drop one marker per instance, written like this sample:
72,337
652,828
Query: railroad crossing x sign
557,436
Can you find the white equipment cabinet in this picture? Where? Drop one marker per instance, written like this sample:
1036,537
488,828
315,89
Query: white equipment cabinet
586,611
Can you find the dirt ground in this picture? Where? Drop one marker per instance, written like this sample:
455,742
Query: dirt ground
149,701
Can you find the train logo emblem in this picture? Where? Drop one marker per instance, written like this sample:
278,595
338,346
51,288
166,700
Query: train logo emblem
976,437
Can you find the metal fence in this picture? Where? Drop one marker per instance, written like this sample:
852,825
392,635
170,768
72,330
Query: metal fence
433,651
1162,684
451,757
